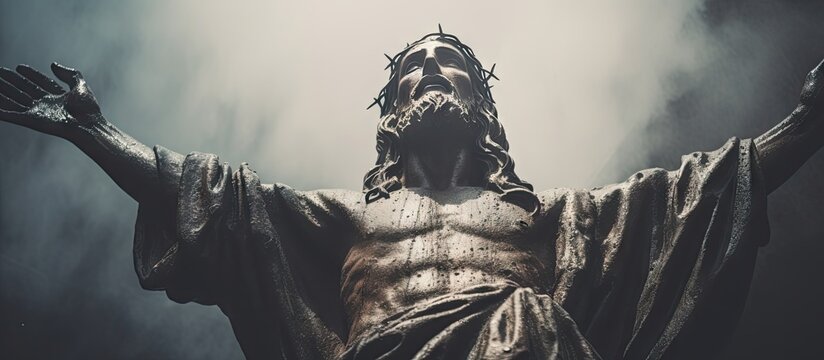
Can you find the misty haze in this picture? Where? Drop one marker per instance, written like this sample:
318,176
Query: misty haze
589,94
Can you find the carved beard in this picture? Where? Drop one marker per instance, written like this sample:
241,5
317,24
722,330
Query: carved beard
435,111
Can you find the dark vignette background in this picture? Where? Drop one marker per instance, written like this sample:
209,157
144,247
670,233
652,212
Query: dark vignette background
67,287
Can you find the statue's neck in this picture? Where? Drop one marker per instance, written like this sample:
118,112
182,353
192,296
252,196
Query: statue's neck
440,162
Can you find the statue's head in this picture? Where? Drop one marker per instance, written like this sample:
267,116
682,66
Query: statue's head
437,84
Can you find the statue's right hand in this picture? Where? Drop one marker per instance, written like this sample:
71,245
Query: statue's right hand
31,99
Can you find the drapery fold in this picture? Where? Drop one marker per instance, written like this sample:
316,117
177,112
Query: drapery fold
654,267
660,265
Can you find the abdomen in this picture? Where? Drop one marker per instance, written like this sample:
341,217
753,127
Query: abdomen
381,278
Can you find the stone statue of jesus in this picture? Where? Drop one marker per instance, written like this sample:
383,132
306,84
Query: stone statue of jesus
446,253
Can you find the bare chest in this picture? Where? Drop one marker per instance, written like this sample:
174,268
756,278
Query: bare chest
471,212
416,246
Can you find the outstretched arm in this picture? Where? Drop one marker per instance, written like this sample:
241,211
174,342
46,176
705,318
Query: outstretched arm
31,99
785,147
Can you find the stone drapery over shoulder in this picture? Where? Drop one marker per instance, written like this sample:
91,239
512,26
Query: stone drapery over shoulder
660,265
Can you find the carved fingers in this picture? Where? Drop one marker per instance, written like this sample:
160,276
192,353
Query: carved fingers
20,90
42,81
32,99
22,84
7,103
12,97
80,100
16,96
67,75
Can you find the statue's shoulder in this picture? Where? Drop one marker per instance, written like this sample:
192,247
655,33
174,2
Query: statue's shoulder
341,198
550,197
557,200
344,198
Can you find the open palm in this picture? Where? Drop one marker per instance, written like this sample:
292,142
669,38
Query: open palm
31,99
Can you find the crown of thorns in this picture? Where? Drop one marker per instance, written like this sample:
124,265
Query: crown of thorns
386,98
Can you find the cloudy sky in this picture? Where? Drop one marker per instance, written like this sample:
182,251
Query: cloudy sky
589,92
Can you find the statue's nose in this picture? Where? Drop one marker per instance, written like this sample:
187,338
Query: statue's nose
431,66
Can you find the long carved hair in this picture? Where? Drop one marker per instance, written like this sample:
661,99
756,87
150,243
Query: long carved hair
491,144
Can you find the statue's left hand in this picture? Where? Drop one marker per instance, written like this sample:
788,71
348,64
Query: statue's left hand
812,95
31,99
786,146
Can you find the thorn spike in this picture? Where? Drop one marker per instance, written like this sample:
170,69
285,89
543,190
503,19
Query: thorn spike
375,102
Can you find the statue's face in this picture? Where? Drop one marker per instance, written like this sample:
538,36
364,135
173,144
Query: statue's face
433,66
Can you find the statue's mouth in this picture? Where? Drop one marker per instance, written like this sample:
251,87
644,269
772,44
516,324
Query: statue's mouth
432,83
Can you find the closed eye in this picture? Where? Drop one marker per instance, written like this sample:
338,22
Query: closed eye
412,66
452,62
450,58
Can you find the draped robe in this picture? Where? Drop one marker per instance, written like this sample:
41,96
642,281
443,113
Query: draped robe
654,267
